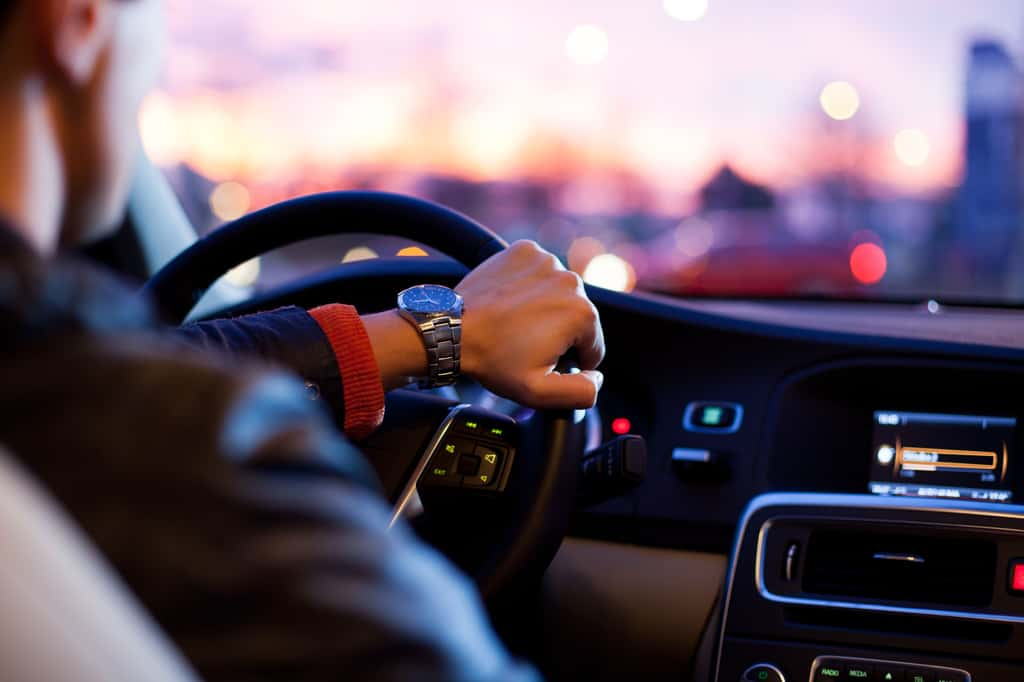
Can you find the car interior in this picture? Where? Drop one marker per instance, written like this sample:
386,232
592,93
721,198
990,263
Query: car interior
818,484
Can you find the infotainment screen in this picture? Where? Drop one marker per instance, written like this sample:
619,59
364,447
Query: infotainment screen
954,456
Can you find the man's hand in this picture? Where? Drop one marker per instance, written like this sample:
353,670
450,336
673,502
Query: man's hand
523,312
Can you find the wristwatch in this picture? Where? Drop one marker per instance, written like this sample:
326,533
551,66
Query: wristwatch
436,312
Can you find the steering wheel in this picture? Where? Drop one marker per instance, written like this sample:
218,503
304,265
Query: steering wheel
497,492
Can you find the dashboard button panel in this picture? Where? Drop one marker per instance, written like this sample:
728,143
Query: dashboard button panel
826,668
476,453
706,416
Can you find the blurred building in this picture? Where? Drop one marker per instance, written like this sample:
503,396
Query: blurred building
990,197
728,190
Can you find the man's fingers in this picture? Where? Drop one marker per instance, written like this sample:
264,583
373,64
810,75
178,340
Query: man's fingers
590,344
554,390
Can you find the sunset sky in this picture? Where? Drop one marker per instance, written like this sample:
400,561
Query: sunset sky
265,91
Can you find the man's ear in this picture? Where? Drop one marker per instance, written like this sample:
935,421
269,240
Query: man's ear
74,34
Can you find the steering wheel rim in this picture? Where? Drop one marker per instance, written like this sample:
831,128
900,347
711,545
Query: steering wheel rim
180,284
556,435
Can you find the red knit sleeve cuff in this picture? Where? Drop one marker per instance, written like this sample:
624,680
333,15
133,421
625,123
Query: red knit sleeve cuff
360,376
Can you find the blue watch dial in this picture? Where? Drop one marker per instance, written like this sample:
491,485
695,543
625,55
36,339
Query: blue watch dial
428,298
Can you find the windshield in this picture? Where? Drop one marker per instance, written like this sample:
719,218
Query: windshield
849,148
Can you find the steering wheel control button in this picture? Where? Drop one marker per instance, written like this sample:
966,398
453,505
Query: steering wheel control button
713,417
763,672
481,428
443,468
489,460
468,465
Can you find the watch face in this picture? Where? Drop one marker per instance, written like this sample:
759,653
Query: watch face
428,298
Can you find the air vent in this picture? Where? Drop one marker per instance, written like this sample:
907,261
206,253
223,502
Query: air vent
904,568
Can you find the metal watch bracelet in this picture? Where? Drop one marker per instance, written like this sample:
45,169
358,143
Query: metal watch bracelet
442,337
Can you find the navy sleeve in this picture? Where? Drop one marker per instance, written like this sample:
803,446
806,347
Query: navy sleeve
288,337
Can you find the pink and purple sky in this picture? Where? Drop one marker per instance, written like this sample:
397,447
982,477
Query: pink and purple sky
265,92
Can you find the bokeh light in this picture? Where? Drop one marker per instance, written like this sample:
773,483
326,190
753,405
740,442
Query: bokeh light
694,237
610,272
582,251
912,146
868,263
686,10
359,253
229,200
587,44
159,131
840,100
244,275
490,139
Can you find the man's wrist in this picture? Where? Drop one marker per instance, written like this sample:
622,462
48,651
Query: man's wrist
397,347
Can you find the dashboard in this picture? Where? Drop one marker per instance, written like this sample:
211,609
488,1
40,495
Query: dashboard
800,403
866,485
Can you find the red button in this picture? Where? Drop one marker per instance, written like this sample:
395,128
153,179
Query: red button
621,426
1017,575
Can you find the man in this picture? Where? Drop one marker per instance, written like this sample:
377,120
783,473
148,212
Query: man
221,494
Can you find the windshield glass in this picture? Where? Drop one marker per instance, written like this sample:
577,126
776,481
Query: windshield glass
849,148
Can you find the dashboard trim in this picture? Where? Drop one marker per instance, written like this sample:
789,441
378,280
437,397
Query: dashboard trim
767,594
850,501
410,490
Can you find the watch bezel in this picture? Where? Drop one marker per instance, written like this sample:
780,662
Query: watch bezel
453,311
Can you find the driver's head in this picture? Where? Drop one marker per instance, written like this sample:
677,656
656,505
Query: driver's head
72,76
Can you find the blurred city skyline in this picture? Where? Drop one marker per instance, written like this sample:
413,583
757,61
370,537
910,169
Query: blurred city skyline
261,92
722,147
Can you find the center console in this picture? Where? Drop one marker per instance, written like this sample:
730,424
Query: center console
891,586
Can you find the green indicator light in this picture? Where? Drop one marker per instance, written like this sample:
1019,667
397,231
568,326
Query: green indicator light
712,415
471,425
497,432
830,672
762,674
450,448
440,472
888,676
